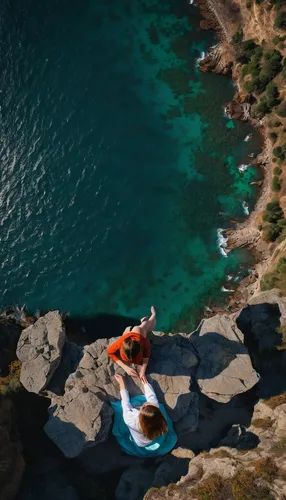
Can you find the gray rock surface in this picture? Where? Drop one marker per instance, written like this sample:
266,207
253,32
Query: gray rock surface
83,416
80,411
39,350
225,368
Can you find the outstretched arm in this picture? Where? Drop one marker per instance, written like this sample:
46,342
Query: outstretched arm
128,410
112,350
149,393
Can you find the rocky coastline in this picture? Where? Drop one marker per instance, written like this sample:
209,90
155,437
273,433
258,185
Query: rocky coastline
219,16
216,383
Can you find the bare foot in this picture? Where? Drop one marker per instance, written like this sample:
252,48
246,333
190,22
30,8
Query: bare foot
153,311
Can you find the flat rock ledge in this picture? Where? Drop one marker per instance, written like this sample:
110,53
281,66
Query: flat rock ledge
39,350
212,359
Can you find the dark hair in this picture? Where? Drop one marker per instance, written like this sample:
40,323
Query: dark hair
131,348
152,422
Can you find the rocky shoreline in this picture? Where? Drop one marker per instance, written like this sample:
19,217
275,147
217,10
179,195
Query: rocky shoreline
220,60
210,381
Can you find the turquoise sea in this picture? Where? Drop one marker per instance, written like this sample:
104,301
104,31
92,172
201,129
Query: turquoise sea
118,165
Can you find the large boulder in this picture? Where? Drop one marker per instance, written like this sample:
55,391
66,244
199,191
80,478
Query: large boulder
83,416
39,349
225,368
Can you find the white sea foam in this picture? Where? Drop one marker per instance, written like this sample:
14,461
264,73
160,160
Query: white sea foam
248,137
242,168
201,58
223,289
229,277
225,113
221,242
251,155
245,208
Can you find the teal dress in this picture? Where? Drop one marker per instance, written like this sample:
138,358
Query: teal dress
159,446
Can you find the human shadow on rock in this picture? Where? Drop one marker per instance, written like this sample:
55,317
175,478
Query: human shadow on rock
84,330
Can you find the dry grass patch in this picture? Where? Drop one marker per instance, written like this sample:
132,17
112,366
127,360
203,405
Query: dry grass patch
262,423
220,454
266,469
212,488
245,487
275,401
279,447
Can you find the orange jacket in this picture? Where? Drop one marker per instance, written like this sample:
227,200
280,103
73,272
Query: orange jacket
115,350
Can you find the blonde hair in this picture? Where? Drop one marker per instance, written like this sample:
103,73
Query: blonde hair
152,422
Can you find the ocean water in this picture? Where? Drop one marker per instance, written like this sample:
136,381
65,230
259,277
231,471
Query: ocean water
118,165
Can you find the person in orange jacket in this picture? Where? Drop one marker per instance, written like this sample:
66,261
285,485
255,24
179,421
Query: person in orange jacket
134,347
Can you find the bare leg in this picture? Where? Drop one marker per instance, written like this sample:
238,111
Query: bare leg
147,324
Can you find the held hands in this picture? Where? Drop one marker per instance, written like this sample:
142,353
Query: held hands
131,371
120,380
141,372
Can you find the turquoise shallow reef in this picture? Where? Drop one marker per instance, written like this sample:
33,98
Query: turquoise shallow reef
118,165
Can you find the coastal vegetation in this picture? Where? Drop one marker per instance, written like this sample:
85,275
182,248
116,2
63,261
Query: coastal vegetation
275,278
260,50
11,383
273,216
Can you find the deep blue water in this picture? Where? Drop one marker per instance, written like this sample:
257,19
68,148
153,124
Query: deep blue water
117,164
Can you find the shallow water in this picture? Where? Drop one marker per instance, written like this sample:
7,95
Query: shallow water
118,165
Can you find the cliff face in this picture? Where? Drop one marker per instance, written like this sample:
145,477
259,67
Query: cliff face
11,460
209,381
252,49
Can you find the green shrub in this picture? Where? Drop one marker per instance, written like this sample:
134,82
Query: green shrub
276,183
273,212
280,21
271,67
262,108
284,72
277,39
260,227
271,232
279,153
11,383
272,93
282,109
274,160
281,223
273,137
238,37
248,4
247,48
253,67
277,171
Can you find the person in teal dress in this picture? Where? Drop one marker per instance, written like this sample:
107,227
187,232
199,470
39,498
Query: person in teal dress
141,424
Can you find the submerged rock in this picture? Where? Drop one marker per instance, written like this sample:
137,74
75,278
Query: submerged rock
39,350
